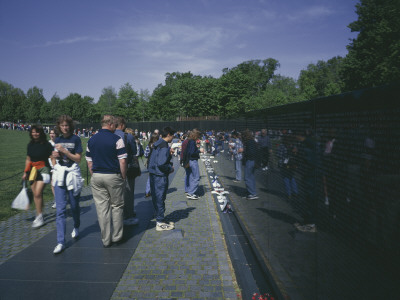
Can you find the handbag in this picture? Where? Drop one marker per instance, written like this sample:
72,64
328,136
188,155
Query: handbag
22,200
134,169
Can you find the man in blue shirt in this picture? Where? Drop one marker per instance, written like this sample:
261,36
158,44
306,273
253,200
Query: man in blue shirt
129,192
160,167
106,158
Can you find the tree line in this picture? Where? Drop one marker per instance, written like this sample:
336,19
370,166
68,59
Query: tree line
373,59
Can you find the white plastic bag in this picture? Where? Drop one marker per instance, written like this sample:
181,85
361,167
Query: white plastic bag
22,200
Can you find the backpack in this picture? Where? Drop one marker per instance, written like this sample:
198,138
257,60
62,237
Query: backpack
134,167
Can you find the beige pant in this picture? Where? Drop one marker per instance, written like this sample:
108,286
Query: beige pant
108,195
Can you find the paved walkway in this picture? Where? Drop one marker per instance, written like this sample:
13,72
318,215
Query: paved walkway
190,262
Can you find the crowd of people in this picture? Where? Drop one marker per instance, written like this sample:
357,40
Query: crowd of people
15,126
299,157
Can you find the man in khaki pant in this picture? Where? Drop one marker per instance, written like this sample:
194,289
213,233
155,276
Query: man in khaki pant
106,158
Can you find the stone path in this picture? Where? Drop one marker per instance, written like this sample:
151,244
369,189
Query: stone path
190,262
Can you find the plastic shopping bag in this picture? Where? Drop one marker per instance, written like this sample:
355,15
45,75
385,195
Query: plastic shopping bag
22,200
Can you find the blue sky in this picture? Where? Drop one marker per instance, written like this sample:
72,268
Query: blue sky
84,46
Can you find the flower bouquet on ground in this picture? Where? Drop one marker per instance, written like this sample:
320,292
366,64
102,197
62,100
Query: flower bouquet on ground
265,296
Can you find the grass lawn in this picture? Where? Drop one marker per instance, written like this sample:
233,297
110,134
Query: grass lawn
12,162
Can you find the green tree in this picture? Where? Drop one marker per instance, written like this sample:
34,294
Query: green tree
279,91
72,106
321,79
80,109
204,97
45,112
374,56
174,98
33,104
126,103
13,104
184,95
88,111
5,89
240,86
260,72
162,105
233,90
143,105
107,100
55,107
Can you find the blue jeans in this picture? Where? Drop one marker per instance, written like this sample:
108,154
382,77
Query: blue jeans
238,169
249,178
290,185
158,189
192,179
148,186
61,207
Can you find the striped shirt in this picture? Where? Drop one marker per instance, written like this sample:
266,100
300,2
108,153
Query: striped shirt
104,150
238,145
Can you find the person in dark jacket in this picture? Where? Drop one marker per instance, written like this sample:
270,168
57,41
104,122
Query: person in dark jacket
129,190
249,157
160,167
286,154
308,163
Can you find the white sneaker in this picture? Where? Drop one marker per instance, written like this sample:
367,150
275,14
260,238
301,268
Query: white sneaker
161,226
75,233
131,221
54,205
39,221
59,248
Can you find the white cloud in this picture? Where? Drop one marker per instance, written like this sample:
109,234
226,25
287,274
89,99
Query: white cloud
64,41
163,37
80,39
170,55
177,33
313,12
